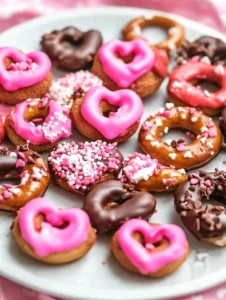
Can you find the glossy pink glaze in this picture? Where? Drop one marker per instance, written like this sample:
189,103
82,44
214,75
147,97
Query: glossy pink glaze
139,256
180,86
121,73
51,239
56,125
129,112
14,80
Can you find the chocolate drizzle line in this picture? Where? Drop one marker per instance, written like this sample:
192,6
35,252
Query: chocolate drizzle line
208,221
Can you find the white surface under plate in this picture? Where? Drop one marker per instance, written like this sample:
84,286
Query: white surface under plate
89,278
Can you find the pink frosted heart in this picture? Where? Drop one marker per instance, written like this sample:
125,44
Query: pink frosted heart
12,80
129,112
139,256
121,73
51,239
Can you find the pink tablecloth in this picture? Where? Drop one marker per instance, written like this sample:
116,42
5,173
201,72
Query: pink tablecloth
212,13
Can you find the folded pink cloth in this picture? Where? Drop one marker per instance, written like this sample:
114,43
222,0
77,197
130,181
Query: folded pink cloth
211,13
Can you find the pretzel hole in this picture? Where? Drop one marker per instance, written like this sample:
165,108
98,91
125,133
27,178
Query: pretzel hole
154,34
126,59
176,134
107,109
71,43
206,85
42,218
157,247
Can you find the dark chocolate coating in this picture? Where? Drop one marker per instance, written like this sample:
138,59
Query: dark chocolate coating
204,222
59,46
131,204
209,46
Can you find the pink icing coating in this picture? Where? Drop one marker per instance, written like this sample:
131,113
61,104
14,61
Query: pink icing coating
51,239
129,112
121,73
12,80
56,125
139,256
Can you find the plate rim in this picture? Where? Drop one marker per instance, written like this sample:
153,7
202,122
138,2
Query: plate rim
64,290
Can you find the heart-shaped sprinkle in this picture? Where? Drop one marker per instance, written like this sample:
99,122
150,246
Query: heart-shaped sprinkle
139,256
121,73
129,112
26,69
50,238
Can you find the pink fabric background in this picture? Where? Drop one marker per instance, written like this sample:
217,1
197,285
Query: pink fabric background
212,13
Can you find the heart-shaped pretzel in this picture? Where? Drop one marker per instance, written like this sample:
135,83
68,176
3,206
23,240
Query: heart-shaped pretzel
18,76
139,255
129,112
121,73
51,238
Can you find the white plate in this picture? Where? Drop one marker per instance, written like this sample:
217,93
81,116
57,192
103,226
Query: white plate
89,278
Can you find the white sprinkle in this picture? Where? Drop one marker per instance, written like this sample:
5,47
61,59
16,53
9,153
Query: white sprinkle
177,85
153,143
212,153
183,116
188,154
182,171
172,155
161,110
148,16
180,109
210,145
166,129
168,142
148,137
194,119
158,123
205,60
13,154
219,69
206,93
204,129
169,105
189,89
203,140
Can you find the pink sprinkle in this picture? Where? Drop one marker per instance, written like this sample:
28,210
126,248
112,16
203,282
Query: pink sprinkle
111,165
172,167
8,186
207,182
20,163
37,120
65,161
212,133
210,123
194,181
23,66
195,59
192,110
23,174
104,262
43,102
21,155
7,194
166,114
190,135
149,246
181,147
168,181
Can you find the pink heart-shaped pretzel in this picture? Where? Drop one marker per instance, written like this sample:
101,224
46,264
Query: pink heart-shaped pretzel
50,238
129,112
139,256
12,80
121,73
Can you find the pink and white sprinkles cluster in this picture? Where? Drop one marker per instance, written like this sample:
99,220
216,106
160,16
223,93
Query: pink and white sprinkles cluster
139,167
72,86
55,126
80,165
28,65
